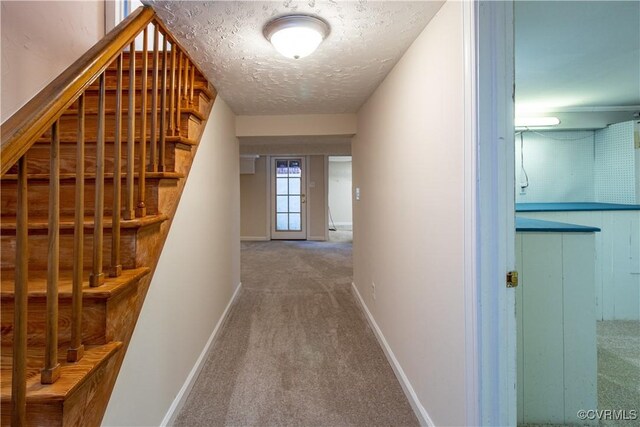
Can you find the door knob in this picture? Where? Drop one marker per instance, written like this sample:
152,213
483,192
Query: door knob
303,198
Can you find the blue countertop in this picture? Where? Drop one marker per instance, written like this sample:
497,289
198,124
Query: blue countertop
574,206
528,224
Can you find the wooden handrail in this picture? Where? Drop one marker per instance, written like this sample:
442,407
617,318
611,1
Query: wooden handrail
21,130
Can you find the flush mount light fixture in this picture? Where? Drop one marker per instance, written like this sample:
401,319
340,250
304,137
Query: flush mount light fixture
527,122
296,36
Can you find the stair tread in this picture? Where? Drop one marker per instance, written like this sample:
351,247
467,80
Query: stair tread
38,284
72,375
92,176
8,223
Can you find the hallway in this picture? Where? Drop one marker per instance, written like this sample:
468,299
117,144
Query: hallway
296,348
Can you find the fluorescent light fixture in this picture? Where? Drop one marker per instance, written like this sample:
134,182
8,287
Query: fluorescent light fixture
296,36
528,122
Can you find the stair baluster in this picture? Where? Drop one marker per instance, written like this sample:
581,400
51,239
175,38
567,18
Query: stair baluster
76,349
51,371
185,95
129,209
97,276
154,104
141,208
19,369
193,77
163,104
179,95
172,90
116,268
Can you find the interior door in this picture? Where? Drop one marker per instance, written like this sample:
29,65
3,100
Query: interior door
288,198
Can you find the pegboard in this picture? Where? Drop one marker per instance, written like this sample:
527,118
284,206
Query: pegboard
615,164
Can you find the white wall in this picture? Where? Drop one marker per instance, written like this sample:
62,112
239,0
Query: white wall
560,166
340,180
408,160
40,39
615,170
197,274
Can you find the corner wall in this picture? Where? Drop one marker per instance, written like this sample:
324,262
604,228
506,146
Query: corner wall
40,39
197,273
408,161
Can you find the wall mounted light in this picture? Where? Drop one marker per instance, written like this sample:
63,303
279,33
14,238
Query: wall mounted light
528,122
296,36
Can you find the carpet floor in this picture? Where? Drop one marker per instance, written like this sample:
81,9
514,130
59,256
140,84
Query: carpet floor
296,349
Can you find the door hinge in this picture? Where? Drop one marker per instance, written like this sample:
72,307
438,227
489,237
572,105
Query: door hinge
512,279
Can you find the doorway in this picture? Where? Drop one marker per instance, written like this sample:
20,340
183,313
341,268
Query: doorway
340,205
289,200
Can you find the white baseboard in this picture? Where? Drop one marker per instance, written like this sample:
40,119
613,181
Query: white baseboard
254,238
181,397
340,224
421,413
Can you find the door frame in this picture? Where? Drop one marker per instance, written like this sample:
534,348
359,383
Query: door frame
489,205
304,211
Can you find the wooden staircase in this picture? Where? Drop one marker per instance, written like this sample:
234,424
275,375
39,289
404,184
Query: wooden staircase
92,172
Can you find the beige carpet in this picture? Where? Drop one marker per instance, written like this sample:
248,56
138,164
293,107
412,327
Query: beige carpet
296,349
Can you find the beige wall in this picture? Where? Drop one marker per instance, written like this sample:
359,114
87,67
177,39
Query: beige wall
40,39
301,124
253,202
254,193
408,226
317,198
197,274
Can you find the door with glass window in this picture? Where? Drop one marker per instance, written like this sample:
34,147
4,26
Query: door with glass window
288,198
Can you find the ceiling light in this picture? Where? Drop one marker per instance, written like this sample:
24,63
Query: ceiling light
526,122
296,36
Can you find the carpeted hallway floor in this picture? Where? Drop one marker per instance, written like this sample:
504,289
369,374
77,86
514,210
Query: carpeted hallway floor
296,349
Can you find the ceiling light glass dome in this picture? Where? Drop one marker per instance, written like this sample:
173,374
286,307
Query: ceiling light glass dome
296,36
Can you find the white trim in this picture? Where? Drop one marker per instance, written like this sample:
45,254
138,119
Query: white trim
325,221
494,214
268,179
420,411
254,238
342,223
181,397
470,211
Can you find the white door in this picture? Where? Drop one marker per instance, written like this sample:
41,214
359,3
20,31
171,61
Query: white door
288,198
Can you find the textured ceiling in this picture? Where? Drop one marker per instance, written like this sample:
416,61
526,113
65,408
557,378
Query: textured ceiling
225,39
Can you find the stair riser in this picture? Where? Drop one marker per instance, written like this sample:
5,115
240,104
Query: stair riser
38,158
38,196
94,320
38,249
111,75
200,100
189,127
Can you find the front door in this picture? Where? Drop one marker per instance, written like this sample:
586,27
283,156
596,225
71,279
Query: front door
288,198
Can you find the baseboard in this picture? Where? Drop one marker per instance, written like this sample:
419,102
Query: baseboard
181,397
317,238
254,238
418,409
340,224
